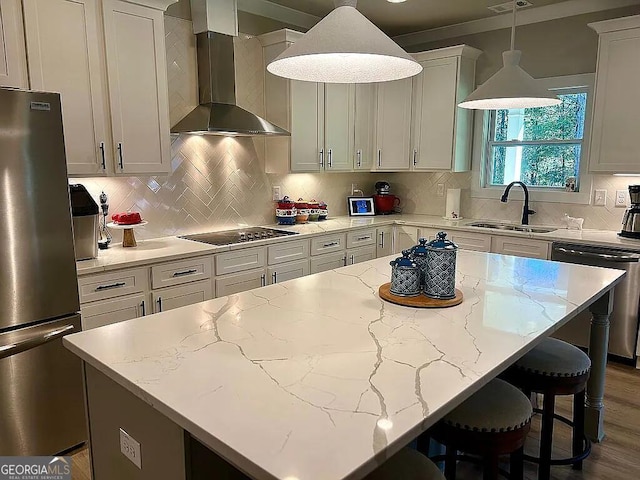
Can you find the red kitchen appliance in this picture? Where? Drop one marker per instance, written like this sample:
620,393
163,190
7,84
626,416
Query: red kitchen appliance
385,203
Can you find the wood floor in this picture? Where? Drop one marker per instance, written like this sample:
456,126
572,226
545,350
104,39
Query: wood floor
617,458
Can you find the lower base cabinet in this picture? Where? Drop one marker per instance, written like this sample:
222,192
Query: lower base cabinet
521,247
181,296
328,261
287,271
359,255
240,282
119,309
384,241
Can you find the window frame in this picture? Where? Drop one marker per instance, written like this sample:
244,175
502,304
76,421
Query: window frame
484,130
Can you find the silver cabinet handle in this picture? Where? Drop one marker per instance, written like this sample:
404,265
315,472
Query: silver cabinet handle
274,277
330,158
120,159
379,158
143,305
353,259
110,286
415,157
263,280
185,272
331,244
104,159
159,302
381,239
344,260
359,156
33,342
321,155
368,237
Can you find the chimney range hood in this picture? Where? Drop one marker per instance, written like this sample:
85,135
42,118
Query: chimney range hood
218,113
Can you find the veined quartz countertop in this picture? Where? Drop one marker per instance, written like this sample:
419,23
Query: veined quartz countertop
174,248
318,378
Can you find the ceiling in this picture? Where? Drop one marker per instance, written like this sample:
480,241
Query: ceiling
412,15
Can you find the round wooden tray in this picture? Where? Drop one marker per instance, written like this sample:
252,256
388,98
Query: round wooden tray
420,301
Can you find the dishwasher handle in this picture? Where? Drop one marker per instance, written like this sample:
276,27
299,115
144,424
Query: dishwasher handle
630,258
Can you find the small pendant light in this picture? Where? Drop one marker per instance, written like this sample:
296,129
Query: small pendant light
511,86
345,47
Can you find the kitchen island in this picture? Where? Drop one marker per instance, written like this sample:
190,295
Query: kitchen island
318,378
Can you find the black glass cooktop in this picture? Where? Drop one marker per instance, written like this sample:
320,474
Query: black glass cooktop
229,237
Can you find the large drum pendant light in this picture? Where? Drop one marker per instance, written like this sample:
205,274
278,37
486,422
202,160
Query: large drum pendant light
511,86
345,47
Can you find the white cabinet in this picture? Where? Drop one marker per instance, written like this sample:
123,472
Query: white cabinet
616,112
181,295
364,128
240,260
393,126
306,127
520,247
106,312
361,238
183,271
339,125
384,241
361,254
335,242
287,271
13,58
328,261
477,242
405,237
113,284
441,130
288,252
240,282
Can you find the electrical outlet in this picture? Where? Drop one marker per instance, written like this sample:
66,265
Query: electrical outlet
275,191
600,198
621,198
354,187
440,189
130,448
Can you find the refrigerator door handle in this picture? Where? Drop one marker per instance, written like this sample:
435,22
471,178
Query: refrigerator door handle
35,341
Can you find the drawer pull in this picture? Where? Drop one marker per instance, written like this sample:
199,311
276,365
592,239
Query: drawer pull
109,287
353,259
330,244
381,239
185,272
263,280
143,305
159,302
368,237
274,277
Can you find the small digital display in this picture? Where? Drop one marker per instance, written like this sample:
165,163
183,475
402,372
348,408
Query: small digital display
361,206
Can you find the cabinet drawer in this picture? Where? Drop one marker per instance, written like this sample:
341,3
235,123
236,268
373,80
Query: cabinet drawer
287,252
328,244
116,284
520,247
329,261
471,241
240,282
106,312
362,254
240,260
287,271
177,273
361,238
181,296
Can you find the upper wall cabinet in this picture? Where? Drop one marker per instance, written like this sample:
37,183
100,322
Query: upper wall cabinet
616,112
13,63
442,131
115,108
393,126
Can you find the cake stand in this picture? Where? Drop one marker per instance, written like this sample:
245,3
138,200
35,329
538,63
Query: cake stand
128,237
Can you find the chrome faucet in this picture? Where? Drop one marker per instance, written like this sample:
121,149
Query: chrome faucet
525,211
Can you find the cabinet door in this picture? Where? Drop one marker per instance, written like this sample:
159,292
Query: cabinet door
362,254
286,252
520,247
361,238
434,118
365,123
393,127
240,260
136,60
106,312
406,237
329,261
339,111
471,241
183,271
384,241
240,282
13,58
614,146
64,45
113,284
328,243
307,136
181,296
287,271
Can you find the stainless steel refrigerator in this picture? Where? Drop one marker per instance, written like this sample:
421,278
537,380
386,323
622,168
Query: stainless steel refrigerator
41,398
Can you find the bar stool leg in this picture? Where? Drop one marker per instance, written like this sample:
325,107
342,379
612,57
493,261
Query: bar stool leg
450,462
491,468
516,462
546,437
578,427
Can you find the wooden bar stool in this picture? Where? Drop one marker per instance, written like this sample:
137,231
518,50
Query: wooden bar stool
555,368
407,464
491,423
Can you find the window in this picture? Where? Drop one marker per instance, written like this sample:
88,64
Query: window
542,147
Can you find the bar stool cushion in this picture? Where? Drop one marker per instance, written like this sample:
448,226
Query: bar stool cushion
407,464
497,407
555,358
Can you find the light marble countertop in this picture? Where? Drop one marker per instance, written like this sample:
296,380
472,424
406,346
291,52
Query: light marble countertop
318,378
174,248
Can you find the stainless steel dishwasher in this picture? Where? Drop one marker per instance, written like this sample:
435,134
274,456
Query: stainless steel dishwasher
626,300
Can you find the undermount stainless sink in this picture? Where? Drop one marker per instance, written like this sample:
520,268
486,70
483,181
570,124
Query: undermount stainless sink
511,227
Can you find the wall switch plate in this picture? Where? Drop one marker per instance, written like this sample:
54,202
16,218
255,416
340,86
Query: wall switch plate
130,448
440,190
276,192
600,198
354,187
621,198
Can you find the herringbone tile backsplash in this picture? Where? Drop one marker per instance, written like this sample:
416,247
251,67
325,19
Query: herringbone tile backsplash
218,182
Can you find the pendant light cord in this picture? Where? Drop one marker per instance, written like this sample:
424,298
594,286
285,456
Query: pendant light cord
513,26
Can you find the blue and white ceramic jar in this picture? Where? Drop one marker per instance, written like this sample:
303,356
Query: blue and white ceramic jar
440,276
419,255
405,276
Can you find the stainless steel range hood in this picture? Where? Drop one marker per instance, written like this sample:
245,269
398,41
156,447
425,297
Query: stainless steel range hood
218,113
